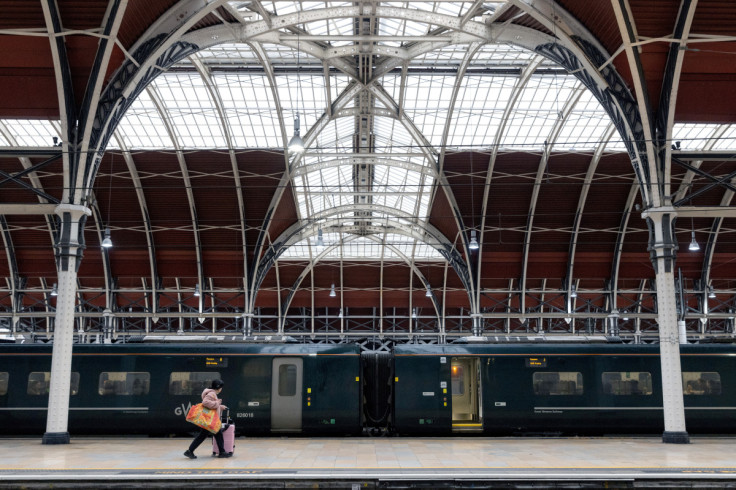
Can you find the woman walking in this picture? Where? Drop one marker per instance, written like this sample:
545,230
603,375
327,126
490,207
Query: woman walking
210,400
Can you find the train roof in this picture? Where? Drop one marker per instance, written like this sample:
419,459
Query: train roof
196,348
556,348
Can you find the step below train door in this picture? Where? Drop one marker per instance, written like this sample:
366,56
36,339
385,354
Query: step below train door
286,394
466,399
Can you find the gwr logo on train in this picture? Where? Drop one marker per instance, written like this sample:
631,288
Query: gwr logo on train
183,409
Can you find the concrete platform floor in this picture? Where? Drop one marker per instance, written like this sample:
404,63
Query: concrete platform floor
368,461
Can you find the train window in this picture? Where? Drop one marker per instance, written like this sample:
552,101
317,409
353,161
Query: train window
557,383
287,380
188,383
124,383
458,384
4,383
39,382
627,383
701,383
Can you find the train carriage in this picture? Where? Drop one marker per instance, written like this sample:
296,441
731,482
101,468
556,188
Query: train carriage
148,389
557,389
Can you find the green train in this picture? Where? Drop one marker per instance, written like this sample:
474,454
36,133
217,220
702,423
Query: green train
557,389
417,389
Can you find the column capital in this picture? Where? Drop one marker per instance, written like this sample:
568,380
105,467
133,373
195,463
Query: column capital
75,210
658,212
662,242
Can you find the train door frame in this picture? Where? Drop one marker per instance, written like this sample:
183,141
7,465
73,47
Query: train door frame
286,409
466,394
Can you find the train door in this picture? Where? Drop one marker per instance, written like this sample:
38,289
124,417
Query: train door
466,399
286,394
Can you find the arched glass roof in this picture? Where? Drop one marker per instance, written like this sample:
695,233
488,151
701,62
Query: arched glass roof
381,102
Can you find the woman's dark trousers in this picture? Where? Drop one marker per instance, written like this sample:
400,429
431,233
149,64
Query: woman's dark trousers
204,434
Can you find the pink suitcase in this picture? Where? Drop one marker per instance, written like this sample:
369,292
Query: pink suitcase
228,436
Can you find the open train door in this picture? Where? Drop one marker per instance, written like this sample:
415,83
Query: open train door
286,394
467,414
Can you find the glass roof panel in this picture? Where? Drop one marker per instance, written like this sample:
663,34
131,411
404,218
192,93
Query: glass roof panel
363,248
248,101
693,136
430,119
190,110
537,110
142,127
391,135
479,110
727,141
584,126
229,54
491,56
31,132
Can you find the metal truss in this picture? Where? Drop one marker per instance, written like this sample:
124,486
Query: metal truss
708,314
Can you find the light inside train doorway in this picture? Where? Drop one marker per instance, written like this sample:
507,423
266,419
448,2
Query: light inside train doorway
466,399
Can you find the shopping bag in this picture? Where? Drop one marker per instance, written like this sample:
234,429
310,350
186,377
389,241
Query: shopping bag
205,418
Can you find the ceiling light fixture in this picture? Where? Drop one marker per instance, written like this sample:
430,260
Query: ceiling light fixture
296,144
320,239
693,247
711,292
196,290
332,291
473,245
428,294
574,292
106,241
54,290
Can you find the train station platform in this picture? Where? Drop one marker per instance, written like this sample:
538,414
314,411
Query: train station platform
381,462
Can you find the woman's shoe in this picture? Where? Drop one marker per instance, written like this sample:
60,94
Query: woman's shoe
189,454
225,455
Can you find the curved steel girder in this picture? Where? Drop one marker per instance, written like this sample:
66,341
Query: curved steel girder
14,278
65,95
668,96
424,145
150,242
220,106
187,186
627,27
110,26
575,95
305,272
160,48
268,70
157,49
592,167
517,91
426,233
620,235
432,156
461,69
352,90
